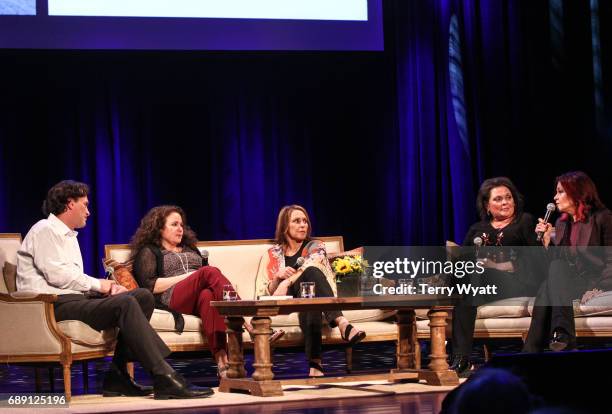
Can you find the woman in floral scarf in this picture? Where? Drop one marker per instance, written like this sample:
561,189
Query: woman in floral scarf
280,277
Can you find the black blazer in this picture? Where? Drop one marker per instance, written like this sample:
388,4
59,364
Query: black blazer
593,248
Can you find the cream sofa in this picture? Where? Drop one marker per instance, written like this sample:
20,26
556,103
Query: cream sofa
239,261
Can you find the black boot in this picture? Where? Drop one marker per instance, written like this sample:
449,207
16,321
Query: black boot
460,364
174,386
117,382
562,341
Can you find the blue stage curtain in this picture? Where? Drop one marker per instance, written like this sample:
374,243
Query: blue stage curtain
370,143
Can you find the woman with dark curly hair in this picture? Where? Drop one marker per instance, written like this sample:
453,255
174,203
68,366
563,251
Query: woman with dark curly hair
168,263
503,223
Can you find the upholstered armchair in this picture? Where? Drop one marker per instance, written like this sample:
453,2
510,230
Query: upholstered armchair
30,333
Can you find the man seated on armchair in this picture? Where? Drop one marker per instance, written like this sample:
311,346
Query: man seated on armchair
49,261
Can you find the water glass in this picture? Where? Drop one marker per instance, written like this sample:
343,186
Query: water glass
229,292
307,289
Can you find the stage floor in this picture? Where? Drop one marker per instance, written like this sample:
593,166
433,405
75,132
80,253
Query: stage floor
289,363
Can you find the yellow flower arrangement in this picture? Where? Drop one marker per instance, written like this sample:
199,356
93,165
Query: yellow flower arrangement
348,265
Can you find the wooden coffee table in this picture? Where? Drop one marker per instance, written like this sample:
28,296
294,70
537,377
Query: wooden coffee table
263,383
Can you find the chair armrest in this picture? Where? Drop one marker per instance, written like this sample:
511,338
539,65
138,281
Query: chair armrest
30,320
28,296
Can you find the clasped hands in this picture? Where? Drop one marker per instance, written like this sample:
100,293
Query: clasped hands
284,275
111,287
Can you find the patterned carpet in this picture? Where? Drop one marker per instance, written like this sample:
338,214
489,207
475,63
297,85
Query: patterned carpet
288,363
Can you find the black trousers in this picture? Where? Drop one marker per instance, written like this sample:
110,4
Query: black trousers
310,322
464,313
130,312
553,305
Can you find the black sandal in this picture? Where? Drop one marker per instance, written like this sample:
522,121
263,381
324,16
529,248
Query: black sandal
358,337
222,371
317,366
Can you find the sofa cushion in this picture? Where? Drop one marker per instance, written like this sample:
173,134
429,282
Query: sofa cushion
598,306
83,334
355,316
505,308
10,277
163,321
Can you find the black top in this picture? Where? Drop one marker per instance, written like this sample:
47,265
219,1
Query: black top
591,249
521,232
148,267
291,260
530,264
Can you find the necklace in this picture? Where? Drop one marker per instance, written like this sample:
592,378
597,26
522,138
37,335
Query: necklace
185,265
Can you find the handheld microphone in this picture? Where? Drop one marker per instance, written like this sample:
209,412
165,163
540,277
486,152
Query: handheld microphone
550,207
300,261
477,242
109,272
204,257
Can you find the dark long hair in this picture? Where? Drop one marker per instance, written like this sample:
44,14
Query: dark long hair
582,190
282,224
484,193
151,225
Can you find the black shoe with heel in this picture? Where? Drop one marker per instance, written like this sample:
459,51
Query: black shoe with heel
118,383
460,364
562,341
174,386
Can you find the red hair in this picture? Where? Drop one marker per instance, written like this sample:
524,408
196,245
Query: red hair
582,190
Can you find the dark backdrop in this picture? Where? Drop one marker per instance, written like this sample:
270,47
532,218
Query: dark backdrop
368,142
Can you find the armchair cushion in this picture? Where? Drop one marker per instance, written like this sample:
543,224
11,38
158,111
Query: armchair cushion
10,277
83,334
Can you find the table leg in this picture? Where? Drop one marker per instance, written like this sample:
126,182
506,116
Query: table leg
263,360
234,347
406,336
262,384
438,372
406,345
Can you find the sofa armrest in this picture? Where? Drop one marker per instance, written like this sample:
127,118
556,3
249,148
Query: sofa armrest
28,326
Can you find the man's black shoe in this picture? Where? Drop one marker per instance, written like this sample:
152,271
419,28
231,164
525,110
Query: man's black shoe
118,383
176,387
562,341
460,364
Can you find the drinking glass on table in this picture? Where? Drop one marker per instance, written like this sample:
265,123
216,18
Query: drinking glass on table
229,292
307,289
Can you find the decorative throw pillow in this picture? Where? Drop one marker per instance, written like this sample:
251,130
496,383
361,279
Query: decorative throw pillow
10,277
122,273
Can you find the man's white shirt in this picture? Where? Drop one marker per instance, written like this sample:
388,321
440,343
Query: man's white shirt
50,261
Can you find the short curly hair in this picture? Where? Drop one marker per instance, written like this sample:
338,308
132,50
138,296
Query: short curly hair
59,195
151,225
484,193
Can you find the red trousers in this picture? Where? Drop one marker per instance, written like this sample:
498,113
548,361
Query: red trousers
193,296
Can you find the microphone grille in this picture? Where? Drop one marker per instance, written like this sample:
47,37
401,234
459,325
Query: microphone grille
204,254
477,241
551,207
300,261
109,270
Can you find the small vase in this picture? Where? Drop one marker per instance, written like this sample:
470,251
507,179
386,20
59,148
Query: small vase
349,285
